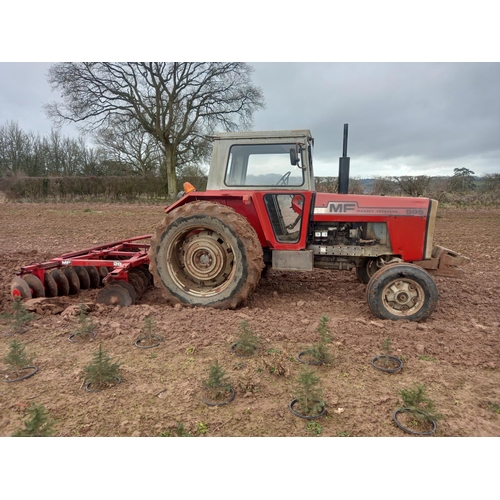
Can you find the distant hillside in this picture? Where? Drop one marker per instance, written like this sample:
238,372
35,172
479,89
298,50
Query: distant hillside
367,185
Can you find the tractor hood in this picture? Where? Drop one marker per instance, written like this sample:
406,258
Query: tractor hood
346,204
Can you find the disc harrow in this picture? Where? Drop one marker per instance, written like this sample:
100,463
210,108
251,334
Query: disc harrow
119,269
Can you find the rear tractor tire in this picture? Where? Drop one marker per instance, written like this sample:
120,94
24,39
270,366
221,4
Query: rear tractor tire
206,254
402,291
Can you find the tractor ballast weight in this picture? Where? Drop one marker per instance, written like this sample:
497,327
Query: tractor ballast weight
261,211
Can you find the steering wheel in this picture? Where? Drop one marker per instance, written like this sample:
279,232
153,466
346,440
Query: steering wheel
284,179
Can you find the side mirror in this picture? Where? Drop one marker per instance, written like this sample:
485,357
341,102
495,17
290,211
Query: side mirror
293,157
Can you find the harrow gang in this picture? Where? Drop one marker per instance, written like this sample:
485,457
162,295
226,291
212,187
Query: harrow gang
121,267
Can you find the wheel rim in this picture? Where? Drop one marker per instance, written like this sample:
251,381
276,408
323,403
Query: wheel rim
403,297
201,262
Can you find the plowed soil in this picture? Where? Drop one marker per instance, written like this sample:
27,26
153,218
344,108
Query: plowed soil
455,353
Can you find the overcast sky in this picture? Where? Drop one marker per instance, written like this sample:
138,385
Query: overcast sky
404,118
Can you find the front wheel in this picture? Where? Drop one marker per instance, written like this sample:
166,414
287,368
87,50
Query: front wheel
402,291
206,254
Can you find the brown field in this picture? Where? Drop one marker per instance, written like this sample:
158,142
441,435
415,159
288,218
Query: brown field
455,354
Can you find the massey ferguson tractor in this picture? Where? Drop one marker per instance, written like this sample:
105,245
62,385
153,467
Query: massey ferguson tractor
261,211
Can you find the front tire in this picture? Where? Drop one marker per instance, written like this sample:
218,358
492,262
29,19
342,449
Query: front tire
206,254
402,291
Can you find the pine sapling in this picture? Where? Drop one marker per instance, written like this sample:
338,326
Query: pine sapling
387,350
319,351
85,324
246,340
217,383
308,393
416,399
17,358
19,317
38,425
148,338
148,328
101,372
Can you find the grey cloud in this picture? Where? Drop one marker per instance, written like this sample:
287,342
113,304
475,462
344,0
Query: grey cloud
433,112
430,117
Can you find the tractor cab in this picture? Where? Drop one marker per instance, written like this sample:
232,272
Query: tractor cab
276,169
262,160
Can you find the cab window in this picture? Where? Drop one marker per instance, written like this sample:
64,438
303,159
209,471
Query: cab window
264,165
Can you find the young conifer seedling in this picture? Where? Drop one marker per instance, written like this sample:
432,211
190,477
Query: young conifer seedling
18,362
246,341
308,393
19,318
217,383
387,350
38,425
319,352
17,358
148,328
417,400
85,326
101,373
148,339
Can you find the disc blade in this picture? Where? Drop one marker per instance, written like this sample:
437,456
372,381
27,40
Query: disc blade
114,295
37,289
50,285
20,289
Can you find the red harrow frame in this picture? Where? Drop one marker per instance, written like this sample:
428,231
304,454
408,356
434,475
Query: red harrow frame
120,269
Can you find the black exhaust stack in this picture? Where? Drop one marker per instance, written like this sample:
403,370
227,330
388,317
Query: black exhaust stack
344,166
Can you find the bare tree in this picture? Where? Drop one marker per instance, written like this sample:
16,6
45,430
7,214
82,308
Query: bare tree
15,149
491,182
331,185
132,147
326,184
413,185
384,186
177,103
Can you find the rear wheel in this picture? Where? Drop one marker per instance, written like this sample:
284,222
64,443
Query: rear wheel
402,291
206,254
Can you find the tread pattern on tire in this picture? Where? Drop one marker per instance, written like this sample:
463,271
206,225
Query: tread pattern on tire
391,272
253,260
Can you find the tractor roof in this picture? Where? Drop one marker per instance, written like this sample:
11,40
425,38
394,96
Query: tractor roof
266,134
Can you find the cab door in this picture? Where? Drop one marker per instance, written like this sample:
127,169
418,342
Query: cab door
284,217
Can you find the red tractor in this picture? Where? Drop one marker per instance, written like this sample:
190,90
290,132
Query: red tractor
261,211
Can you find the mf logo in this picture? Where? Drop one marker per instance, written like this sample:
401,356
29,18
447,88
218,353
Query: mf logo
341,207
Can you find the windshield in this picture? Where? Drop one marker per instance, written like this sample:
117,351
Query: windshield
264,165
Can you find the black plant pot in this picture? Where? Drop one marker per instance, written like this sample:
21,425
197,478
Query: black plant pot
411,431
302,353
87,387
234,350
377,362
74,336
306,417
33,370
156,344
222,403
